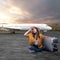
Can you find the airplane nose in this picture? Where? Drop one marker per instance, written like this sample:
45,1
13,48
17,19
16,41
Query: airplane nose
50,28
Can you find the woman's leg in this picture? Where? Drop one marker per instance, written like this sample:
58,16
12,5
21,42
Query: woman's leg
36,49
41,49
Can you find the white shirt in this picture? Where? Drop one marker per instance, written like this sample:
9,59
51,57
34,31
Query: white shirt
36,42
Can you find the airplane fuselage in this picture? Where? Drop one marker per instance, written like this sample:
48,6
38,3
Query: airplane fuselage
27,26
14,27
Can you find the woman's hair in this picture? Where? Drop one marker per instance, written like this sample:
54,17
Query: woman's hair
36,33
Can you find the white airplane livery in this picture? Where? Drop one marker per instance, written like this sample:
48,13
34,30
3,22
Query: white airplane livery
14,27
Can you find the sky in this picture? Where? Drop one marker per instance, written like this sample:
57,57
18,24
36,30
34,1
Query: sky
30,11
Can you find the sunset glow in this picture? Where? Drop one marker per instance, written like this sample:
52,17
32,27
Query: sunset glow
10,13
4,18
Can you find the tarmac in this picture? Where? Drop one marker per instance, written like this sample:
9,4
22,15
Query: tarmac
15,47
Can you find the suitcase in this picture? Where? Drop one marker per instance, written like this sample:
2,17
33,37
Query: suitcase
51,43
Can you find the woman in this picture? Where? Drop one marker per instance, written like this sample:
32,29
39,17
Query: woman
35,39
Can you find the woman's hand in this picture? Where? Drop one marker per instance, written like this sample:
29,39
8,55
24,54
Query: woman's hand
28,32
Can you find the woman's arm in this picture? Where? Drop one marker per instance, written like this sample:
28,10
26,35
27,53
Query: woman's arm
27,32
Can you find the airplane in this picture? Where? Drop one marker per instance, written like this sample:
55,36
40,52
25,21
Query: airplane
13,27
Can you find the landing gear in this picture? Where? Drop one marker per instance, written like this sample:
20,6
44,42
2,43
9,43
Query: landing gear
13,32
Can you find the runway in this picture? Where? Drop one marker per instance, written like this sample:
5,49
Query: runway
15,47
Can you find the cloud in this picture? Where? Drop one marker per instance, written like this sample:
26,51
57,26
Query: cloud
12,12
32,11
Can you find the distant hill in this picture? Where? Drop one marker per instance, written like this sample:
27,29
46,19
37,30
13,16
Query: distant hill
55,26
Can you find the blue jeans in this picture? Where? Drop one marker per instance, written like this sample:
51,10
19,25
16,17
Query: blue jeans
36,49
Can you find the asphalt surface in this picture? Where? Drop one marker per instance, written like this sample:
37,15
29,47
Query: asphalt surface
15,47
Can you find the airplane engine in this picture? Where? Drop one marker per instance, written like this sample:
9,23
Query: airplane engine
12,31
51,43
